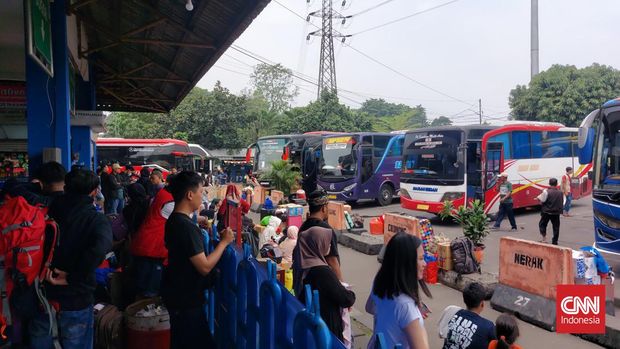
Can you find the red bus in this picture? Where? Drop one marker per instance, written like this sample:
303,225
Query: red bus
157,153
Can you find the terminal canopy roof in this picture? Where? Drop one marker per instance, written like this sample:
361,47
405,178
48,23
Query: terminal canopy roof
146,55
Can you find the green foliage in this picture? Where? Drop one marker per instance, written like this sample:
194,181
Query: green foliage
564,93
408,120
274,83
132,125
472,219
381,108
283,175
326,114
441,121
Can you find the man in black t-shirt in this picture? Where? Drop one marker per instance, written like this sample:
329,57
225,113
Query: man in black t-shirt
317,201
467,329
183,282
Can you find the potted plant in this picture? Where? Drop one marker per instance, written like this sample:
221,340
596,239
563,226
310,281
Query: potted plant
283,176
474,222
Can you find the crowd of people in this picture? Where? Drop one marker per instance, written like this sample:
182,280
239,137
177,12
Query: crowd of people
161,246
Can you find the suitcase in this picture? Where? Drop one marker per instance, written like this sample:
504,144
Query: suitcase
108,327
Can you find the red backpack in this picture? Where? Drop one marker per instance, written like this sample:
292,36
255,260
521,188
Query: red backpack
27,241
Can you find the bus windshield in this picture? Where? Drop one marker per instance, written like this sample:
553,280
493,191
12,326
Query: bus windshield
431,157
338,157
608,162
270,150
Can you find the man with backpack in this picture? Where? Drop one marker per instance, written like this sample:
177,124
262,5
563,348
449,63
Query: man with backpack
85,238
51,177
552,201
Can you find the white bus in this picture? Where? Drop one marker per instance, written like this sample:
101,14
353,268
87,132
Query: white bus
461,164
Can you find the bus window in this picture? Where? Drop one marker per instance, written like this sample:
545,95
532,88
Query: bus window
503,138
521,145
380,144
397,148
367,163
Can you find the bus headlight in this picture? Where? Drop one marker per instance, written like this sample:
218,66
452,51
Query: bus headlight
349,187
318,187
451,196
404,193
608,221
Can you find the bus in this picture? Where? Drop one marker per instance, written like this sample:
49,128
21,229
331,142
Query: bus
358,166
599,143
461,164
158,153
265,151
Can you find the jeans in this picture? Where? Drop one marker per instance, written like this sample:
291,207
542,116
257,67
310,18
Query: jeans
147,275
555,222
121,200
188,328
505,209
568,203
75,330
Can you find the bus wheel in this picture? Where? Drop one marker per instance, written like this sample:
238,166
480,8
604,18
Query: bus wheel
386,194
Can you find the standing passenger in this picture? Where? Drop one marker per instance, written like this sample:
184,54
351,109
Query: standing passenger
552,205
505,202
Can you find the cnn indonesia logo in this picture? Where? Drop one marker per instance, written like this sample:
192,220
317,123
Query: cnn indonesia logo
580,309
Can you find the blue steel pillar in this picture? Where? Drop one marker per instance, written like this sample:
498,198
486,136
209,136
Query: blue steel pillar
48,98
81,140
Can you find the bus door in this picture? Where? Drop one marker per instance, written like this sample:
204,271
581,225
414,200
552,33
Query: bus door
493,166
473,159
367,169
310,156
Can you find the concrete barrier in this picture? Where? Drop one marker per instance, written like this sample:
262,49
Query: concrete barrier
529,273
395,223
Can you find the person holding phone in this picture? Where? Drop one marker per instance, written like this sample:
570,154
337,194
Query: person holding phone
184,278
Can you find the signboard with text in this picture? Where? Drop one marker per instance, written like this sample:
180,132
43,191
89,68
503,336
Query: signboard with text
40,34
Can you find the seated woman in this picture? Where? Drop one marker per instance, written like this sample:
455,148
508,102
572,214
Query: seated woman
333,296
288,245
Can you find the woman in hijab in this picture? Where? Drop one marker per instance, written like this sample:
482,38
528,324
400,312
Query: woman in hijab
270,234
333,296
288,245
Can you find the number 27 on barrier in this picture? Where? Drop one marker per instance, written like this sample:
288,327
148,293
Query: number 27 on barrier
522,301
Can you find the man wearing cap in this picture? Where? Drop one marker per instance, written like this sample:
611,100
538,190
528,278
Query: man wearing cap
317,201
505,202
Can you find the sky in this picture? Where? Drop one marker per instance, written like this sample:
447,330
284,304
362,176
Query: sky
444,59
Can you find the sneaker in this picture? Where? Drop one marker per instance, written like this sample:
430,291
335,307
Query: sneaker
513,229
494,228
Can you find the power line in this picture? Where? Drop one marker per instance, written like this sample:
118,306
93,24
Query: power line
372,8
385,65
404,18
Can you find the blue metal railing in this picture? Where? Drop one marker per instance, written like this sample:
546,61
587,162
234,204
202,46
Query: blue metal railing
249,308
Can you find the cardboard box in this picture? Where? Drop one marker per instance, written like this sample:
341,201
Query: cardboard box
276,196
336,215
444,256
396,223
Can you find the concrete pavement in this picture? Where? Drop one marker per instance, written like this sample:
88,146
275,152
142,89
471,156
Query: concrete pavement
359,270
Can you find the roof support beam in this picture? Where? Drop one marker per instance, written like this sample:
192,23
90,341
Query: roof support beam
145,27
169,43
145,78
122,100
77,5
149,99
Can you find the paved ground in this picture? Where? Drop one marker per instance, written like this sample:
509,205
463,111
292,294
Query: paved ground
359,269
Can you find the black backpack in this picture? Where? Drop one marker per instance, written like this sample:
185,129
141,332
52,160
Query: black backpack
463,256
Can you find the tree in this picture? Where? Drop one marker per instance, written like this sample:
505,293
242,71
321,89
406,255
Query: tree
441,121
274,83
283,176
411,119
325,114
131,125
381,108
564,93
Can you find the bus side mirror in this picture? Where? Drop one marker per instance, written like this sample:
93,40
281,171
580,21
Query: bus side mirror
586,145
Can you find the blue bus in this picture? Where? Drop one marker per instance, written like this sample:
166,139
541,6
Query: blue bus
359,166
599,140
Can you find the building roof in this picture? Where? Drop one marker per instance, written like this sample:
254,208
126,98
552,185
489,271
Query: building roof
227,154
148,54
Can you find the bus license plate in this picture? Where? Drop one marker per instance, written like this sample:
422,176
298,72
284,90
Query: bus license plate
331,197
423,207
